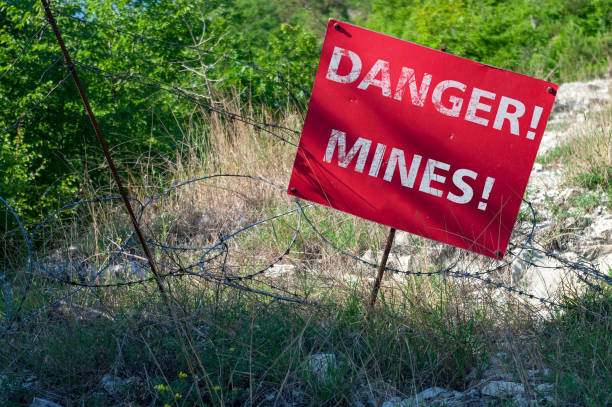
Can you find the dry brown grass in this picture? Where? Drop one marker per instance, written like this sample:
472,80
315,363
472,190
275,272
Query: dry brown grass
587,156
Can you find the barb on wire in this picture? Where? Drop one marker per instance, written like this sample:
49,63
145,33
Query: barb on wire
201,268
454,269
199,101
209,261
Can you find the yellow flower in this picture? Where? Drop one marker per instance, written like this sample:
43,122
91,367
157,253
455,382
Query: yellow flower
166,405
182,375
177,395
160,387
232,349
217,388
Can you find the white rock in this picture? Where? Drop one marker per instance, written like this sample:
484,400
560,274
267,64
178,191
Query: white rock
400,262
582,96
470,393
531,373
138,269
539,275
430,393
545,388
601,228
114,384
593,252
472,375
370,256
520,401
402,239
279,270
321,363
502,389
543,182
397,402
605,263
38,402
573,101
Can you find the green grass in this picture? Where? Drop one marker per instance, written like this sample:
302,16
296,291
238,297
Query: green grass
236,349
577,346
244,349
554,155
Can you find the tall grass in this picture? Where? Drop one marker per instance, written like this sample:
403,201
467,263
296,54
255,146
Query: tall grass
224,346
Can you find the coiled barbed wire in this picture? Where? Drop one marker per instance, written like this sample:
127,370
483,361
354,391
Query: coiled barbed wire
201,270
203,267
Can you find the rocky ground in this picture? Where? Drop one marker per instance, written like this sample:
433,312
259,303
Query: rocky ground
573,234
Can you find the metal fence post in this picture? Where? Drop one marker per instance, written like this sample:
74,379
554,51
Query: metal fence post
94,123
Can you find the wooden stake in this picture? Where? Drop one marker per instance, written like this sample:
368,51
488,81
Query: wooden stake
381,272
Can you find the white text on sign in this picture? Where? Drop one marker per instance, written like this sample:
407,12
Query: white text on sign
397,163
509,111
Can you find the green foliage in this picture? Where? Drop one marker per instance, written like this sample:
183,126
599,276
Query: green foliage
51,153
559,40
33,170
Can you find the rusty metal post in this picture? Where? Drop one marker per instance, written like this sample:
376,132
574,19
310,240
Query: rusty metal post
381,272
158,278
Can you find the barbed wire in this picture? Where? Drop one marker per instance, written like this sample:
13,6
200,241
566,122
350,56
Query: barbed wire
202,269
209,262
197,48
39,32
35,105
198,100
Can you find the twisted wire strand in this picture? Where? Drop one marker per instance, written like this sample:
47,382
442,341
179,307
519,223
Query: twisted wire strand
39,32
199,101
35,105
451,270
197,48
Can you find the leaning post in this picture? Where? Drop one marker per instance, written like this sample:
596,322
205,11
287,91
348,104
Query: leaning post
380,274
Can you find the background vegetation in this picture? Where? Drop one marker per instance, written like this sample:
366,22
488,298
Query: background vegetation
48,155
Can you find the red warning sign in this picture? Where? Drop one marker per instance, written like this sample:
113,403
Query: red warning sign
420,140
